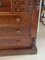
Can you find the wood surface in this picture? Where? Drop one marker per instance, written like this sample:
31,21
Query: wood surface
18,26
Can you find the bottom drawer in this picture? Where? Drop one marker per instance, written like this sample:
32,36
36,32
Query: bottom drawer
15,42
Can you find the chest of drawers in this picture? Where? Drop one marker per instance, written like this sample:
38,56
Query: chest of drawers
18,26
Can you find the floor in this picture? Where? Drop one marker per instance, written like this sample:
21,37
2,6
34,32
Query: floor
40,46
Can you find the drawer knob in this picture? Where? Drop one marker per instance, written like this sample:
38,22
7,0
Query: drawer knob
17,3
18,31
18,9
18,19
1,4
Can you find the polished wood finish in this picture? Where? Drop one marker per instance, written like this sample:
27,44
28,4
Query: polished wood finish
18,26
5,6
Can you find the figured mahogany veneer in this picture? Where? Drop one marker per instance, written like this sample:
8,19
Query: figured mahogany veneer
18,26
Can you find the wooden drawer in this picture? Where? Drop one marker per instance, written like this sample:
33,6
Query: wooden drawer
5,6
23,31
15,42
22,2
22,9
15,31
17,20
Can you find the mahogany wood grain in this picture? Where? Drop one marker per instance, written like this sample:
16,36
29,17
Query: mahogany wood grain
18,26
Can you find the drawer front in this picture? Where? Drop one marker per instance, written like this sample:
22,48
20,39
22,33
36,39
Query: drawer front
22,6
17,20
15,42
5,6
15,31
22,2
22,9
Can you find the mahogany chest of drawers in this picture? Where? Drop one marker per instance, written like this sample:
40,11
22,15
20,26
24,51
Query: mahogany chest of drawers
18,26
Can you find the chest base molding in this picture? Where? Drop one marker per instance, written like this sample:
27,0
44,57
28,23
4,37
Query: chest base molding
25,51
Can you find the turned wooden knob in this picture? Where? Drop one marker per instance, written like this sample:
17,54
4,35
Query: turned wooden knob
18,31
17,2
18,20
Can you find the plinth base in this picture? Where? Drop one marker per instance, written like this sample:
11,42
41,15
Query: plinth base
13,52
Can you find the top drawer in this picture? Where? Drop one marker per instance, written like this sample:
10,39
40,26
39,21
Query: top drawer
5,6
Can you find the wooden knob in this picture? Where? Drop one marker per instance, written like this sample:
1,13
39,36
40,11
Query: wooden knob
18,9
18,19
18,31
17,3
